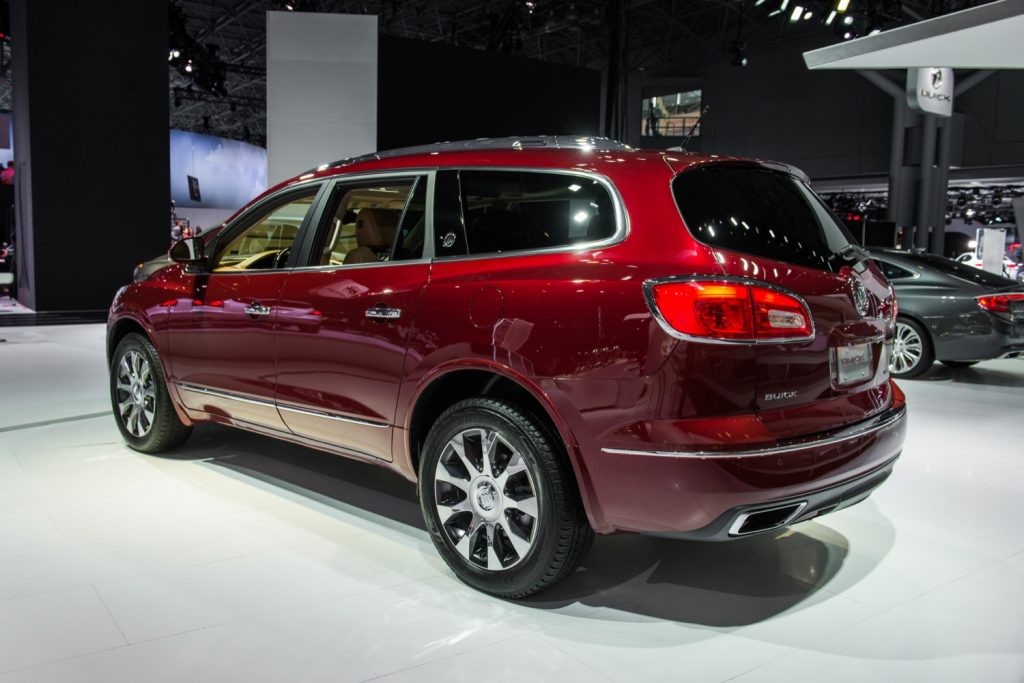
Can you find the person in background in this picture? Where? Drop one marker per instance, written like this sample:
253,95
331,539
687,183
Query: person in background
7,176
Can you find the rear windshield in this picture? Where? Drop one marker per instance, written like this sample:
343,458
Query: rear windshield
960,270
761,212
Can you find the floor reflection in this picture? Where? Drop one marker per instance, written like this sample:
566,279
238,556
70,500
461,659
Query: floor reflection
982,373
726,584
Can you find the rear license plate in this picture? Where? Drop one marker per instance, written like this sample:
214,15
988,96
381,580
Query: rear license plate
851,364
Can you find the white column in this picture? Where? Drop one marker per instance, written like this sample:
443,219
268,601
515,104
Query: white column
321,89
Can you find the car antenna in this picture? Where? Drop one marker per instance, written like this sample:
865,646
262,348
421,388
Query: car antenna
704,110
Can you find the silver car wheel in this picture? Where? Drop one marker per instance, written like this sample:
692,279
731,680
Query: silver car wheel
136,393
486,499
907,349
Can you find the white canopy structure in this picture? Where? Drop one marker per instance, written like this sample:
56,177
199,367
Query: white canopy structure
985,37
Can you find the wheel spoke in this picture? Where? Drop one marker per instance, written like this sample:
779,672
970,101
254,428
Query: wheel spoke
520,544
527,505
516,464
447,477
458,445
493,562
488,442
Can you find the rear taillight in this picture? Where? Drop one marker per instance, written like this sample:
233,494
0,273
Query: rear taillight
999,303
729,311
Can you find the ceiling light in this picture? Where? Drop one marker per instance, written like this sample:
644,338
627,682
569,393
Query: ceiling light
831,16
847,20
808,14
843,6
798,12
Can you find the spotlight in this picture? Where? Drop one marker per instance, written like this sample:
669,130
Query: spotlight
847,35
188,66
738,49
847,20
808,14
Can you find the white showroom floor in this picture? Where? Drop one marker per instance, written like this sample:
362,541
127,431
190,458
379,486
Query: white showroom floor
239,558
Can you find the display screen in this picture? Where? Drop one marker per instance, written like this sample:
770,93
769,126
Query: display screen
215,173
672,115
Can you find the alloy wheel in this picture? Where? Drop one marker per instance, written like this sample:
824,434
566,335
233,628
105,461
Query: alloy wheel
907,349
136,393
486,499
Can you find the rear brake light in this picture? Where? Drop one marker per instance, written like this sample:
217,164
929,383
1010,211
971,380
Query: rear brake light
730,311
999,303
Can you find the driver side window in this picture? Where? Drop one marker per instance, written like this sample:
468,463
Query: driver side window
266,243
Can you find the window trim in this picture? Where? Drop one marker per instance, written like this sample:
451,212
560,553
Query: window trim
622,227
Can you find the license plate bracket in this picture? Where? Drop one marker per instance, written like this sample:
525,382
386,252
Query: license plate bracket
851,364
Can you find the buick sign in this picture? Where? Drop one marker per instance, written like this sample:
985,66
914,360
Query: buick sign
930,90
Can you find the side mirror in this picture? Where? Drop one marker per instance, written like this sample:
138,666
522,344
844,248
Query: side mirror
189,250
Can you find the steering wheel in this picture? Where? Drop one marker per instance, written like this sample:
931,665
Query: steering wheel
282,257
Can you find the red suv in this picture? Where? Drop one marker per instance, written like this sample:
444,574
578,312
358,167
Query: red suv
553,337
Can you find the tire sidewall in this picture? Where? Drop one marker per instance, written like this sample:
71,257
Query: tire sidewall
529,569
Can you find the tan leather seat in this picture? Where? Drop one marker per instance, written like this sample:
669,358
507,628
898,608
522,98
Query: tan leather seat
375,231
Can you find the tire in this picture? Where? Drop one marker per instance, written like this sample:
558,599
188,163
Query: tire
912,350
138,395
958,363
510,527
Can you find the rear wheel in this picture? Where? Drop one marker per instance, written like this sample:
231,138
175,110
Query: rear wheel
958,363
142,407
912,352
499,500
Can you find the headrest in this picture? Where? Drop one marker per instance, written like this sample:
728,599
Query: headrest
375,228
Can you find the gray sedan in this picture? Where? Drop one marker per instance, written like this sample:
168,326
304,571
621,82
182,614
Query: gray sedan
950,312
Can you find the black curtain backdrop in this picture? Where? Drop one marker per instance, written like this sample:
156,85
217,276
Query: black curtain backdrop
429,92
90,101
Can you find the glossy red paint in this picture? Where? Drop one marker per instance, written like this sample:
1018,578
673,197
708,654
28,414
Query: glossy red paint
572,328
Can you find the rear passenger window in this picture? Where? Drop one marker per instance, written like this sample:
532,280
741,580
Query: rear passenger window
508,211
363,221
892,271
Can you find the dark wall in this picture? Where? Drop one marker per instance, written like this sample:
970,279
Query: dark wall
430,92
828,123
90,101
994,120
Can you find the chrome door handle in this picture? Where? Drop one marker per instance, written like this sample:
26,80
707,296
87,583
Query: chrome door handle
256,308
383,313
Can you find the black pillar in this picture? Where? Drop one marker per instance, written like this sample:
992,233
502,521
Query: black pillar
90,145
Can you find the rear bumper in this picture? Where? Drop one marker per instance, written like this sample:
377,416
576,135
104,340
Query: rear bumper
702,494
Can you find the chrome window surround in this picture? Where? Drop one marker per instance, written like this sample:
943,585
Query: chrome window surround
877,423
196,389
622,227
649,296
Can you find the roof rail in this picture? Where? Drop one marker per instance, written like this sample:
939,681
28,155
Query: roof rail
582,142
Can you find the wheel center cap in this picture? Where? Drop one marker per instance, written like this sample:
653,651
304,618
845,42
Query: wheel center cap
137,393
486,498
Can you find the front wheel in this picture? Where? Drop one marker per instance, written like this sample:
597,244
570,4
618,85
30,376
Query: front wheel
911,350
499,499
142,407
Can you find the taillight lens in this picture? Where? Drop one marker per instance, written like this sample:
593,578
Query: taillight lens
999,303
731,311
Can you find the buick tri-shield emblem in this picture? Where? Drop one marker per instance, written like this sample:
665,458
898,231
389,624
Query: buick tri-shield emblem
860,296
